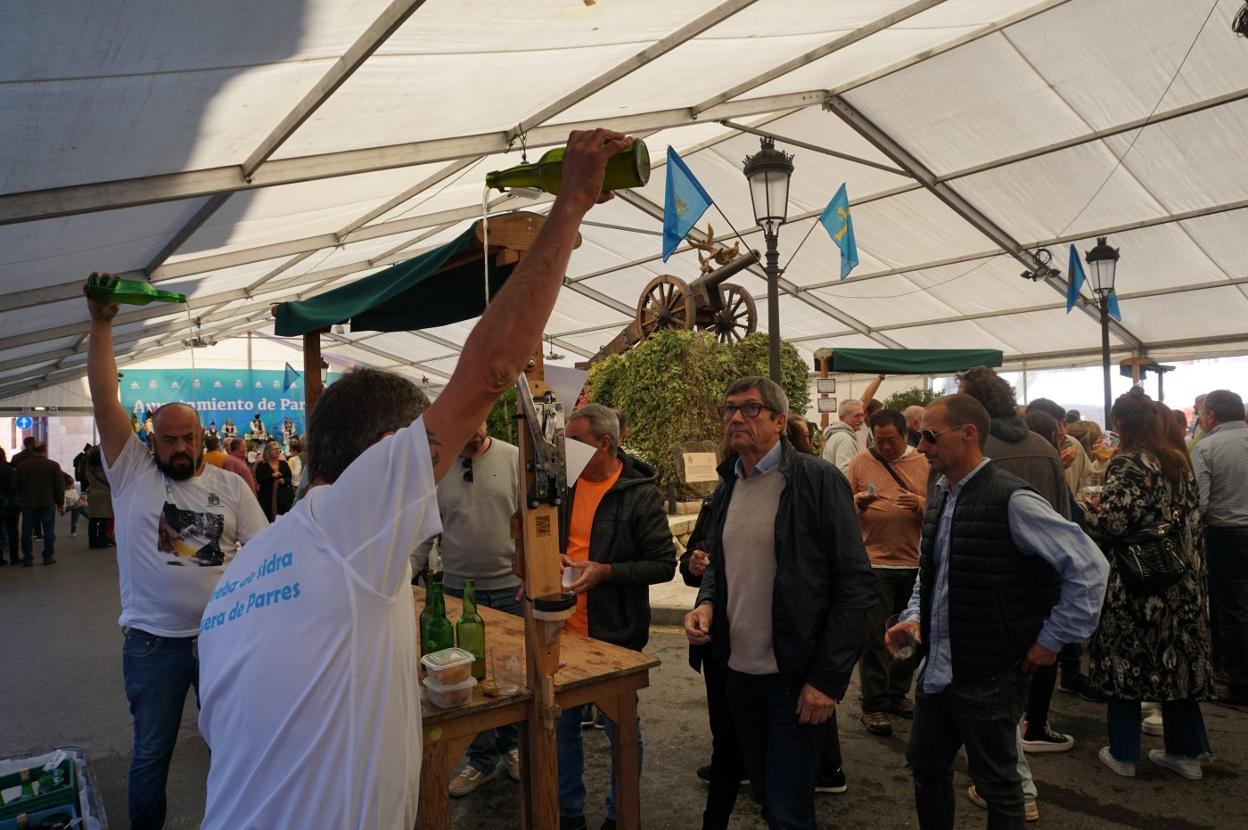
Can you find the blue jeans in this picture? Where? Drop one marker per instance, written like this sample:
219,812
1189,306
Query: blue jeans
46,518
781,755
572,763
74,513
158,673
1183,724
488,747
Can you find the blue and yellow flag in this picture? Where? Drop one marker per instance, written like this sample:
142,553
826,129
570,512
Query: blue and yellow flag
837,222
289,376
1074,271
1112,306
683,203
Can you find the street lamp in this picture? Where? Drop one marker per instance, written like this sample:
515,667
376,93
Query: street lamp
1102,267
324,373
768,172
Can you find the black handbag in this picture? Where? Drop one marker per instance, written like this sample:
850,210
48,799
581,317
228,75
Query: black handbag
1153,559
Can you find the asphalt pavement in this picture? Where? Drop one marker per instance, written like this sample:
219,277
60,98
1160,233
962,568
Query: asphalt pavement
60,678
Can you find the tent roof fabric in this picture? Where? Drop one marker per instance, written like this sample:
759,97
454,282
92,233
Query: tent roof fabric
292,147
912,361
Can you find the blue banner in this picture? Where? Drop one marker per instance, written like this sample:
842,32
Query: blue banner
219,394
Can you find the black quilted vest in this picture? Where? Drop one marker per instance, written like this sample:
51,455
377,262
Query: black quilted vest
999,597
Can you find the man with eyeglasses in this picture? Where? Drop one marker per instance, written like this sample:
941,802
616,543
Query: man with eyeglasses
1004,582
783,597
476,501
616,542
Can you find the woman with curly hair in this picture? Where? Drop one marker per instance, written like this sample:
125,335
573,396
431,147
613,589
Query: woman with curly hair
1152,647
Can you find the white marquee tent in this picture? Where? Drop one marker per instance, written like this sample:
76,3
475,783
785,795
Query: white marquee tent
249,151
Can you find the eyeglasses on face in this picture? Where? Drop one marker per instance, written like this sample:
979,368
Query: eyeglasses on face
752,409
467,470
930,437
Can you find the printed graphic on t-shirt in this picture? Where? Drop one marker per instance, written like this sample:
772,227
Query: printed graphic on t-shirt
190,537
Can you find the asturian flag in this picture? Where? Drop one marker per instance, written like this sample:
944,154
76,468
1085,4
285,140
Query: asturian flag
289,376
840,226
684,202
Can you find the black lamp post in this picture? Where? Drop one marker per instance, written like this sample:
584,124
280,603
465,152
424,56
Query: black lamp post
324,373
1102,265
768,172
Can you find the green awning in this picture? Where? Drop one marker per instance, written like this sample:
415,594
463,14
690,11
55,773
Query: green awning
405,297
910,361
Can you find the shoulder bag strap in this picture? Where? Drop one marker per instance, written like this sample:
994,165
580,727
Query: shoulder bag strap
876,455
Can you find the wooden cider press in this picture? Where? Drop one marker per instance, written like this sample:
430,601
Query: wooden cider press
543,488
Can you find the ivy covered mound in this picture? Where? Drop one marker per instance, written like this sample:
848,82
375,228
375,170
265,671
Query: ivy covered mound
671,385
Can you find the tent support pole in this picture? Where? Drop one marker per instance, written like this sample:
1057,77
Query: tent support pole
312,385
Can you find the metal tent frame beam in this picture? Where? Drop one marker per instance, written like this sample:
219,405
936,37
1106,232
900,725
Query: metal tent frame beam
955,201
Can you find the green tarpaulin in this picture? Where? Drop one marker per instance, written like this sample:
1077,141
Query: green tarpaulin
405,297
910,361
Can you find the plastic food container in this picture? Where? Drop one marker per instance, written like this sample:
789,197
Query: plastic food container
448,697
448,666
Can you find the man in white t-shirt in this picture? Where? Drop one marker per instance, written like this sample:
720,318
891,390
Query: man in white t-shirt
179,521
311,700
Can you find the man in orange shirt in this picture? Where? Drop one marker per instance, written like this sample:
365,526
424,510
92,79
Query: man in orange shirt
889,483
617,543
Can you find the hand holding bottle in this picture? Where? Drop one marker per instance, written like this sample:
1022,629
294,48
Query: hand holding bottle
100,312
585,165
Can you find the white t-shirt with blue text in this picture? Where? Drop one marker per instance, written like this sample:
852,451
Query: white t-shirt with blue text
308,655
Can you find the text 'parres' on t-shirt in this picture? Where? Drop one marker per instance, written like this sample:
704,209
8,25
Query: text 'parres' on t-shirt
308,655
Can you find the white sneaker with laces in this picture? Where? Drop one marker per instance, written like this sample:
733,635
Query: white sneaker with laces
1189,768
1153,724
1123,768
512,759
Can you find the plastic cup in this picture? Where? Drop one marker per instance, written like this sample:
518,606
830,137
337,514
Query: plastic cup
906,651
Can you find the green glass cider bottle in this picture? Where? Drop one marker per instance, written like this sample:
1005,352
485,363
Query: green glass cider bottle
627,168
128,292
471,630
426,613
439,633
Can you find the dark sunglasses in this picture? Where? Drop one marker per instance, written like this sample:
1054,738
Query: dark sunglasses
930,437
749,410
468,470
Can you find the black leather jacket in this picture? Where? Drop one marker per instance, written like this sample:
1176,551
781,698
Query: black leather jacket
824,584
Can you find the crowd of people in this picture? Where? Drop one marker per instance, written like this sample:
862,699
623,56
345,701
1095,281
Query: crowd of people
960,555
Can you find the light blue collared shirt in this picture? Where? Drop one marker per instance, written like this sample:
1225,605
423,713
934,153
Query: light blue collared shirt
1037,530
765,464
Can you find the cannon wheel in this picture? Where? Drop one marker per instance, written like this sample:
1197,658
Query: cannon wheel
666,303
737,316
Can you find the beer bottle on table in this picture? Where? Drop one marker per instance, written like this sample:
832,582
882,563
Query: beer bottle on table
471,630
426,613
439,634
104,289
627,168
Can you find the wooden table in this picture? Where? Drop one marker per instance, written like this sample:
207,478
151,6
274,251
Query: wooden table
594,672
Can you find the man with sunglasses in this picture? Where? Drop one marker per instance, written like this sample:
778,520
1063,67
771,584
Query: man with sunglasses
783,598
1004,582
476,500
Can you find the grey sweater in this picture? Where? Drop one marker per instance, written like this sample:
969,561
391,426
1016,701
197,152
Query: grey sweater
476,538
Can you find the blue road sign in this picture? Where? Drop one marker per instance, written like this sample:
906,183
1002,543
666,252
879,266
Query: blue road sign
24,421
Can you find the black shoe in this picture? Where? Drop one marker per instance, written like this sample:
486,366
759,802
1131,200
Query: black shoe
571,822
832,783
51,560
28,563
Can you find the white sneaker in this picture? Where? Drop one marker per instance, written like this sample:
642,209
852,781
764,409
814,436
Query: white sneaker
512,759
1189,768
1153,724
1123,768
469,779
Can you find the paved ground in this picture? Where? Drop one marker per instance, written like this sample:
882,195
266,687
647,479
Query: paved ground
60,677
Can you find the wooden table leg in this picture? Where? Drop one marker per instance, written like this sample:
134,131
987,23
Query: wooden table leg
622,709
539,774
439,758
